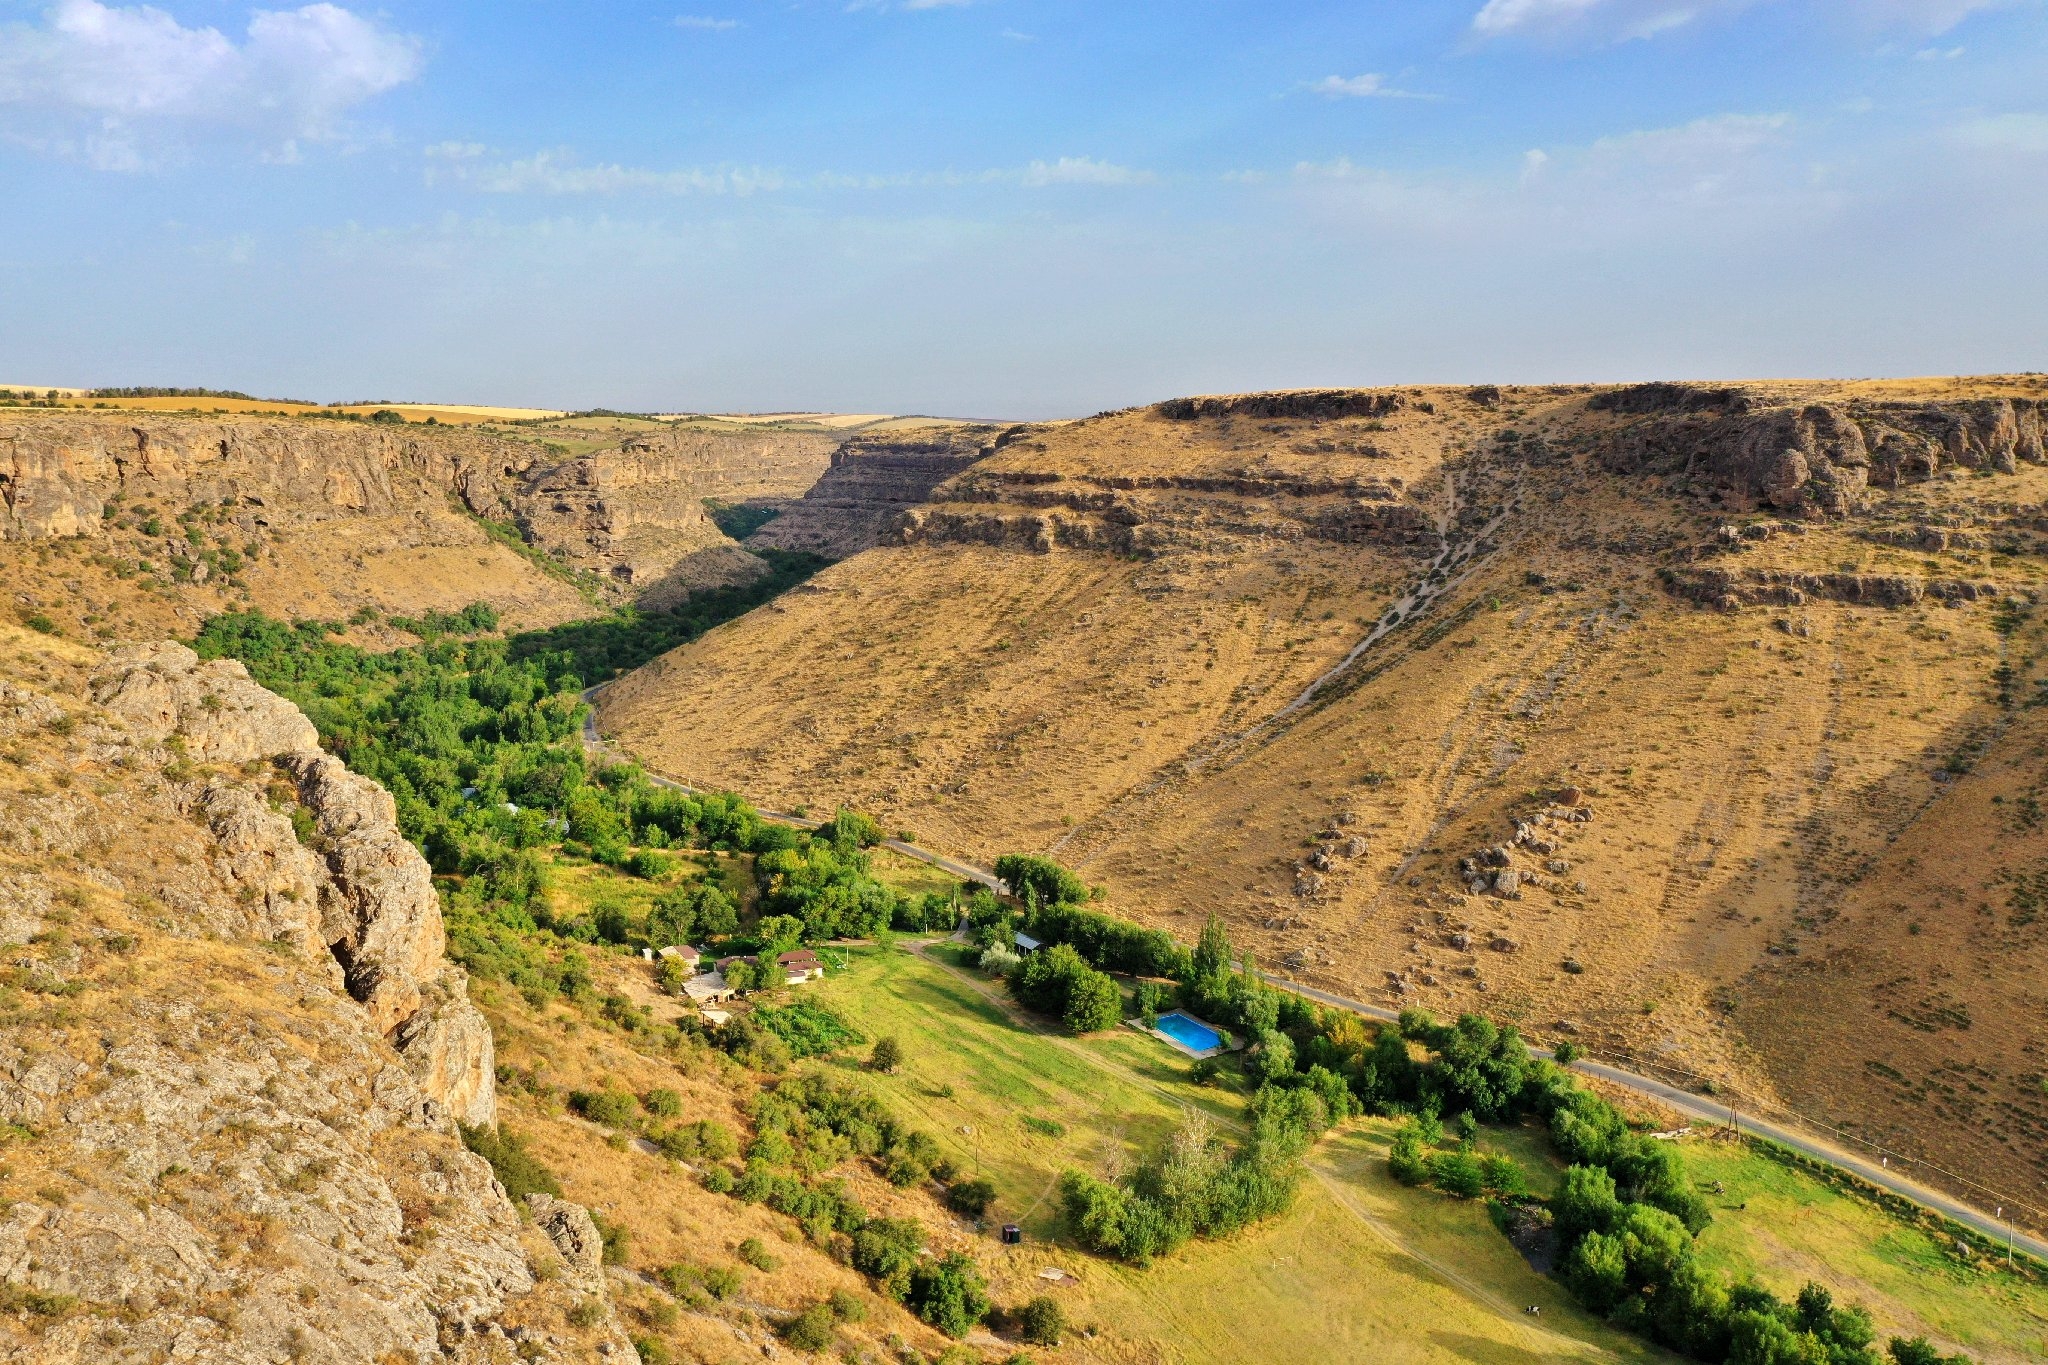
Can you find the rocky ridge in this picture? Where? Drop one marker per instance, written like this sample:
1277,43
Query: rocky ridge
339,495
234,1061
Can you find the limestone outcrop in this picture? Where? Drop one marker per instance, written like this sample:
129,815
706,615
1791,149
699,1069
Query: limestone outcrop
362,893
628,513
233,1060
1815,459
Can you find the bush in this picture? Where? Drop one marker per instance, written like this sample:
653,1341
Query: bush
811,1330
516,1170
1405,1159
612,1108
971,1197
949,1294
847,1307
720,1282
887,1056
587,1313
756,1255
616,1239
1042,1322
886,1250
999,959
662,1103
1458,1174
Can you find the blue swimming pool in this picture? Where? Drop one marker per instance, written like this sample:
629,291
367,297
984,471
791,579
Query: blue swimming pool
1189,1032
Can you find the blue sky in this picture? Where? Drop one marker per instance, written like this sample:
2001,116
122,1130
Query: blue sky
1014,207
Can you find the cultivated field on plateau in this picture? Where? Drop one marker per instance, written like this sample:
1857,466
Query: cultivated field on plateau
1695,723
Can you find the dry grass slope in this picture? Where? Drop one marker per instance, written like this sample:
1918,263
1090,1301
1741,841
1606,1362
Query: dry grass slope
1811,868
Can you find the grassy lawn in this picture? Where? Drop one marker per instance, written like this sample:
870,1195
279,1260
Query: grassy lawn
1360,1269
910,875
1796,1229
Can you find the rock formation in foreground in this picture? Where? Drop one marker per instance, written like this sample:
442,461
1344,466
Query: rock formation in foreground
233,1061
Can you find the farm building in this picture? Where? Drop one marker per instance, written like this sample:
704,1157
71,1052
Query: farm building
707,988
802,965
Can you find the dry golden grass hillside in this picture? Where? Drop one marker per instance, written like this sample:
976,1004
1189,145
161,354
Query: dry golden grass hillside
1781,639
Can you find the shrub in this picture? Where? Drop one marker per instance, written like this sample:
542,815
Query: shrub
1042,1322
886,1250
949,1294
719,1180
1405,1160
616,1238
1457,1173
1567,1052
518,1171
720,1282
887,1056
811,1330
612,1108
587,1313
999,959
1503,1175
662,1103
847,1306
757,1255
971,1197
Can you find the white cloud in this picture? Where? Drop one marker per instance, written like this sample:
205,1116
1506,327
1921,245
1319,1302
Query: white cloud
1609,18
1083,170
2007,133
553,173
1623,20
465,165
1926,16
705,23
1372,85
114,81
1732,175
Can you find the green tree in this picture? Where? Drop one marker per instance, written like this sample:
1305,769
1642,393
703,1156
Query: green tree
887,1056
1093,1002
811,1330
971,1197
1042,1321
949,1293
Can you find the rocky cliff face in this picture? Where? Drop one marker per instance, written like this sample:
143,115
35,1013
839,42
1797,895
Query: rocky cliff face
637,512
1337,486
1745,449
328,515
872,482
232,1062
362,893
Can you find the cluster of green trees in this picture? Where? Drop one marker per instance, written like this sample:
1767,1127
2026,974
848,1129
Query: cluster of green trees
1058,981
477,740
1199,1186
808,1125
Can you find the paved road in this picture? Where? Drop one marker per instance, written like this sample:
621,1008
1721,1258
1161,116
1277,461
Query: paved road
1685,1101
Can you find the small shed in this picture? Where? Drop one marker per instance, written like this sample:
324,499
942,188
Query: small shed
1028,944
1012,1234
681,952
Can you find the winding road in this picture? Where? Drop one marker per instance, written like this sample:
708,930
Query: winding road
1685,1102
